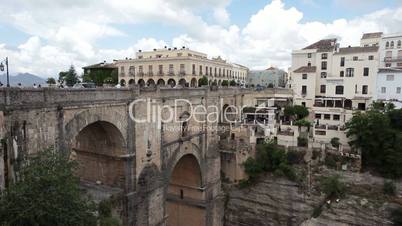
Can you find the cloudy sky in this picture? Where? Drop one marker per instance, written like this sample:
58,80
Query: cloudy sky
44,37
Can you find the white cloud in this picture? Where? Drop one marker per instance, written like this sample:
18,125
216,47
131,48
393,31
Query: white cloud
64,31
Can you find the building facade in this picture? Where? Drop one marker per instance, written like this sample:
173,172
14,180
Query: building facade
389,78
333,82
173,66
271,77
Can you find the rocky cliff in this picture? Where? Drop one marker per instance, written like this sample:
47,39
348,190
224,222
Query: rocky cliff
276,201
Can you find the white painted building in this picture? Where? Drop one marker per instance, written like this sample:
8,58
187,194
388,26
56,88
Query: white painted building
389,78
333,82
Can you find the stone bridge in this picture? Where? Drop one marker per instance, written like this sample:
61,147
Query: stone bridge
158,174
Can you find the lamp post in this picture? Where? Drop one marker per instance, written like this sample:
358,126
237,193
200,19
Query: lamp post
2,69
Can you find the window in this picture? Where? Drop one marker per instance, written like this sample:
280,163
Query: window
342,61
339,90
304,76
317,116
342,74
160,70
383,89
171,69
140,69
355,58
323,89
361,106
371,57
308,55
303,104
327,116
388,65
324,56
387,45
366,71
336,117
206,70
131,71
309,64
399,44
323,74
392,44
355,88
350,72
390,77
122,69
182,70
200,70
193,69
304,90
324,65
365,89
398,90
150,69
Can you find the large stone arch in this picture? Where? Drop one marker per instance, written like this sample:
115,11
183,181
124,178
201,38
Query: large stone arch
185,204
97,140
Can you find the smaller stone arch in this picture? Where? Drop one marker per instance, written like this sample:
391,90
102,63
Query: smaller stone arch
123,82
171,82
161,82
141,82
193,82
183,82
150,82
131,82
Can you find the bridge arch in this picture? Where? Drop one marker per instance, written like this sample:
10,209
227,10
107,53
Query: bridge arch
185,203
97,149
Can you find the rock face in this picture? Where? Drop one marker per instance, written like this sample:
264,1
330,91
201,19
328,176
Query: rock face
275,201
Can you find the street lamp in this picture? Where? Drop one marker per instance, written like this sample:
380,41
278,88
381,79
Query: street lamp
2,69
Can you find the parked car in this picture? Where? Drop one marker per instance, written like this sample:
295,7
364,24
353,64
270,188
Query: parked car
85,85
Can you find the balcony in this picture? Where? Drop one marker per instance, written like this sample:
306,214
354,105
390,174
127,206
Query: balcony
171,73
393,59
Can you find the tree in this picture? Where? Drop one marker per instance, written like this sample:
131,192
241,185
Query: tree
203,81
69,77
47,194
101,76
51,81
232,83
377,133
225,83
297,111
333,187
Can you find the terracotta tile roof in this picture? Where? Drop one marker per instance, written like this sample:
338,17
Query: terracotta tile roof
325,45
372,35
357,49
306,69
100,65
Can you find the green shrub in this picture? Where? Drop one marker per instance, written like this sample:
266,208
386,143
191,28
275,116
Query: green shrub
244,183
252,168
333,187
225,83
295,157
316,154
335,142
302,142
389,188
397,216
203,81
302,122
317,211
288,171
330,160
109,221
